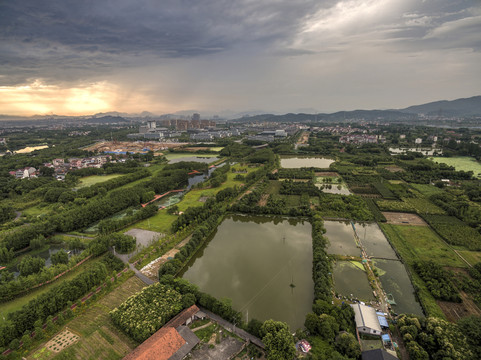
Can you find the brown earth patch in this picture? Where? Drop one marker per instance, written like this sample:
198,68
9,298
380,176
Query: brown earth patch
398,218
456,311
394,169
263,200
62,340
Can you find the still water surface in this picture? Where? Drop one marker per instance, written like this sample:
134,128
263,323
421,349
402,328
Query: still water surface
297,163
253,260
350,279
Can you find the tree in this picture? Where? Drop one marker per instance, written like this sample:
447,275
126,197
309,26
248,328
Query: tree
348,345
278,340
31,265
60,257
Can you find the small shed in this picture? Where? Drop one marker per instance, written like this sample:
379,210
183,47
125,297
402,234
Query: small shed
366,319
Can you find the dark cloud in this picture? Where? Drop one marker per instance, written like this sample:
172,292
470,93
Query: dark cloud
56,32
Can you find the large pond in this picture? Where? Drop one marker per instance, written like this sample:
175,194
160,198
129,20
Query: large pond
296,162
425,151
253,261
350,280
396,283
374,241
180,157
341,238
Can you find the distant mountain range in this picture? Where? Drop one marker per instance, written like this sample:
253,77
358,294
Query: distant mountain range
465,107
456,108
460,107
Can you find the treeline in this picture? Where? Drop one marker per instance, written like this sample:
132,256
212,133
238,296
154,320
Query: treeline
460,207
342,206
36,311
437,280
423,171
223,308
433,338
108,226
94,209
285,173
335,326
321,265
91,191
290,187
6,213
276,205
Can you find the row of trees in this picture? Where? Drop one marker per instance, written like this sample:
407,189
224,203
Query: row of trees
108,226
49,303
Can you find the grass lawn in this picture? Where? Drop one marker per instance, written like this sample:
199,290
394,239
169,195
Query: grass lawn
99,338
16,304
160,222
472,257
421,243
95,179
37,210
274,187
464,163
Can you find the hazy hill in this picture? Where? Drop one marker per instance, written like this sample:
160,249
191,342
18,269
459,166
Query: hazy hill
459,107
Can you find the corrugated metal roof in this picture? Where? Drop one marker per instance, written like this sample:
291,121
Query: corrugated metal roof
366,316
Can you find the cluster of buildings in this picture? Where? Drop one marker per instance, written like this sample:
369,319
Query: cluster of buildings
374,323
213,134
61,168
359,139
24,173
269,135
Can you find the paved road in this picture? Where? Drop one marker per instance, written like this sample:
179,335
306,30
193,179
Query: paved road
125,259
231,327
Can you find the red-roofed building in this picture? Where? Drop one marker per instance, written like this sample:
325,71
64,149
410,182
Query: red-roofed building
173,341
160,346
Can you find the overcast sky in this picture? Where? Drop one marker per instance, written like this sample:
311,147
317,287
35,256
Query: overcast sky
82,57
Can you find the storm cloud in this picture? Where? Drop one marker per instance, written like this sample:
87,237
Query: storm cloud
217,54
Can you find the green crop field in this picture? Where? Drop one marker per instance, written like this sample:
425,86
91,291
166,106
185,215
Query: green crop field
464,163
421,243
424,206
472,257
95,179
426,190
99,338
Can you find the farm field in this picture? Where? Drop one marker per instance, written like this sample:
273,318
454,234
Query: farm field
426,189
421,243
464,163
176,156
98,336
472,257
16,304
95,179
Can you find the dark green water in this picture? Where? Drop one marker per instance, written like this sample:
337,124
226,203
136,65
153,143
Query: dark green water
349,279
395,280
341,238
374,241
252,260
322,163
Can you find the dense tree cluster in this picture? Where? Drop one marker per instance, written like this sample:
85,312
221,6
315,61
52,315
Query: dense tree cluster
6,213
433,338
124,244
437,280
321,265
278,341
110,225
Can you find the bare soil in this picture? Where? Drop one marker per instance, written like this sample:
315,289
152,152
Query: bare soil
394,169
227,348
398,218
263,200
